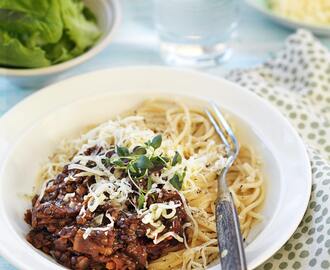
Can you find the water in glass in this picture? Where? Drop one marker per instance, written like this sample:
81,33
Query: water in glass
195,32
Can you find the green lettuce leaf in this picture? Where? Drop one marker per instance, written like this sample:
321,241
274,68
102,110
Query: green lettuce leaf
39,33
60,51
34,22
79,24
14,54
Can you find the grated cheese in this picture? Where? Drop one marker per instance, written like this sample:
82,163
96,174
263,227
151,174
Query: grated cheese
117,192
168,234
44,187
68,196
153,213
108,188
86,169
315,12
90,229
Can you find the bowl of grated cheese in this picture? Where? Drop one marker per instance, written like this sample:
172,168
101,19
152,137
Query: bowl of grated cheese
312,15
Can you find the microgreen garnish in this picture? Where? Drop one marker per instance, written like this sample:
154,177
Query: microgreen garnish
122,151
140,163
106,162
158,163
149,184
177,179
132,168
177,159
155,142
166,159
141,200
143,162
139,150
118,162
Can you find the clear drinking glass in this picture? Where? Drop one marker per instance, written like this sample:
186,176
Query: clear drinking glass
195,32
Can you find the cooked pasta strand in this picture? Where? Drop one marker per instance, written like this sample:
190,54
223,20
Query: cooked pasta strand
191,131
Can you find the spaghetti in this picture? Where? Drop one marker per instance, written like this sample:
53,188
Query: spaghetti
187,131
190,129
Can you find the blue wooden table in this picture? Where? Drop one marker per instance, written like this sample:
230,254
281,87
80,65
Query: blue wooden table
136,44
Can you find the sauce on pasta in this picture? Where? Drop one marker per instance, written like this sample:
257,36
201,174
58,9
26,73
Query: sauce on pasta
138,192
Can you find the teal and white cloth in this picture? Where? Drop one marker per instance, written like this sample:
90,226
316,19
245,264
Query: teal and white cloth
297,82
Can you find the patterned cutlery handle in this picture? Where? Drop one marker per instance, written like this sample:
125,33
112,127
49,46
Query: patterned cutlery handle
229,236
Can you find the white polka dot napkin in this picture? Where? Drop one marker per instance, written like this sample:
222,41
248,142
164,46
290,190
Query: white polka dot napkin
297,82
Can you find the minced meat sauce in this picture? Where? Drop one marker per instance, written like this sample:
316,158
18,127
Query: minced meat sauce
58,227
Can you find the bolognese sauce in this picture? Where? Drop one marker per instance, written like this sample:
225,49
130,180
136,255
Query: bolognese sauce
116,234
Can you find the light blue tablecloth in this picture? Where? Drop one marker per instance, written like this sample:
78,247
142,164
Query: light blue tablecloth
136,44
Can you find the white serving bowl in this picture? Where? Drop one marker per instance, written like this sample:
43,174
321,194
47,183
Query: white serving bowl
261,7
32,129
108,17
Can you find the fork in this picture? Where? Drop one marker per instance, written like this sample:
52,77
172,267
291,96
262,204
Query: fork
228,230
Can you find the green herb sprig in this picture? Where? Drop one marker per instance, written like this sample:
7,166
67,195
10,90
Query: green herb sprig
177,179
139,165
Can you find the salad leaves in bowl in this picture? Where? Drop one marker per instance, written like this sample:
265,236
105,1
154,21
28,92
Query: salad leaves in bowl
46,37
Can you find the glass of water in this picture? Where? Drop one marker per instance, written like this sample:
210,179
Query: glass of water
195,32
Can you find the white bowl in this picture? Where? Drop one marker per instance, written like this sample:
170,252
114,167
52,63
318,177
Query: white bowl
32,129
108,17
261,7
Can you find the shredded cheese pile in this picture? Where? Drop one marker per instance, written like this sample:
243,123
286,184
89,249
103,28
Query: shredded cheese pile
151,216
316,12
130,132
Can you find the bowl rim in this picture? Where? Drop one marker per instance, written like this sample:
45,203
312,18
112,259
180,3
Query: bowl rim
114,6
286,22
166,73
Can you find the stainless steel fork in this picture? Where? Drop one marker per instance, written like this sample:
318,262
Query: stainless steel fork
228,230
